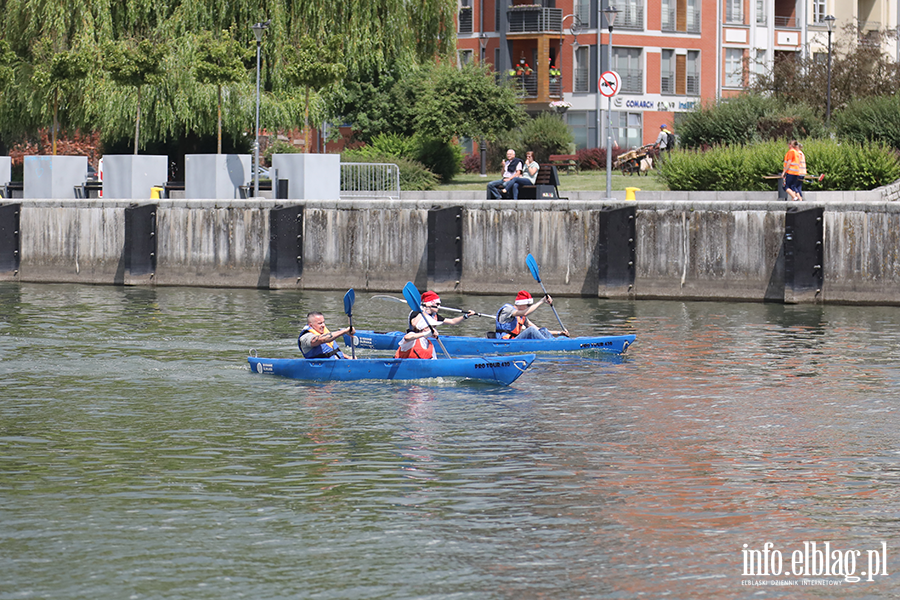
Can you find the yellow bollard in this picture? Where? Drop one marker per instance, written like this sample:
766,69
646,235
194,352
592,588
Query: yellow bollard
629,193
156,193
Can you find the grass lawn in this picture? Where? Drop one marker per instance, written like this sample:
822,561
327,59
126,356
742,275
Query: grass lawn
586,181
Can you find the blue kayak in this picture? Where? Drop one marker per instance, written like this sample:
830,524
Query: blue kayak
471,346
496,369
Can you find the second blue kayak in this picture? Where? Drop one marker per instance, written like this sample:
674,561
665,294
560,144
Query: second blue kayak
473,346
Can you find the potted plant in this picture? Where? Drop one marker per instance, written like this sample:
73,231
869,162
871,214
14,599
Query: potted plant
560,106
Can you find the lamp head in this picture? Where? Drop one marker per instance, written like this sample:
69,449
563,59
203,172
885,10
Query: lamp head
258,30
829,21
610,13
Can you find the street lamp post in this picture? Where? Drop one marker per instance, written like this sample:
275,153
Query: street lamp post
829,21
258,30
610,13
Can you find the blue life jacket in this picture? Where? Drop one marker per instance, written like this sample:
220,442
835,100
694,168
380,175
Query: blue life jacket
509,329
329,350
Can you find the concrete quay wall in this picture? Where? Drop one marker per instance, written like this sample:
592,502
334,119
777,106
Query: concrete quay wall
838,247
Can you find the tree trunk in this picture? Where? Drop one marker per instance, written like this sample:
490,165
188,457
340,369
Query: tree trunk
219,121
306,124
55,119
137,121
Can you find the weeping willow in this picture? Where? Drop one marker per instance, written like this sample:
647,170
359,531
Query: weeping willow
375,35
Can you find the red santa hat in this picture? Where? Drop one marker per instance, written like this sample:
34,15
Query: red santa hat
523,297
429,297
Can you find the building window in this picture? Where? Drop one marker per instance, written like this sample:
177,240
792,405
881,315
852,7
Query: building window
734,11
759,64
465,57
681,15
734,67
465,16
583,12
692,73
583,124
631,14
760,12
627,129
667,70
818,12
627,63
582,69
680,72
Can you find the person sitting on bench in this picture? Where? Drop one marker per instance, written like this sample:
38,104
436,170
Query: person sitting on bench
529,175
512,168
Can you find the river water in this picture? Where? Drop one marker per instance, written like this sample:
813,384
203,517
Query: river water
140,458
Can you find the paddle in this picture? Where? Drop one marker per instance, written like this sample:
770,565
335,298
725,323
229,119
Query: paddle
533,267
414,300
458,310
349,299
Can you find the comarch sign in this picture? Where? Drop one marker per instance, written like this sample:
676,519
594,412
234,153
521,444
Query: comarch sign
655,102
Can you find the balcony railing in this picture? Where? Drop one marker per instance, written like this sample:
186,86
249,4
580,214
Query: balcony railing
632,80
534,19
692,21
631,17
527,86
465,19
790,22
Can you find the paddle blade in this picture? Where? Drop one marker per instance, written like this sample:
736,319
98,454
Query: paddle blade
349,299
533,267
413,298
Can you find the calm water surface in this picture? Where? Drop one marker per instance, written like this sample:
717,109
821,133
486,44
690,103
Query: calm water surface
140,458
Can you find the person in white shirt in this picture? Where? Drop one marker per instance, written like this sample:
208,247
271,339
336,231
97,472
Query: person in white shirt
529,175
512,168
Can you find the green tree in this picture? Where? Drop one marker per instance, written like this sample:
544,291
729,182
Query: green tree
57,76
858,70
440,99
134,65
374,34
309,65
219,62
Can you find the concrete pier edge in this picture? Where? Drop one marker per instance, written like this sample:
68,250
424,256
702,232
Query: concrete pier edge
836,247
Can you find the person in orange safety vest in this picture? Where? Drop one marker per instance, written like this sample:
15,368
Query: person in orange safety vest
794,170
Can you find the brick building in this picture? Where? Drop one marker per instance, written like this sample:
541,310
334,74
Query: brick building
669,54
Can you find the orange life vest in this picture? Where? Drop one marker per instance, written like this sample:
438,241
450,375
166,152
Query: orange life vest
795,162
417,350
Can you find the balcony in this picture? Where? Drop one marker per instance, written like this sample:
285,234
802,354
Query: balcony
534,19
527,87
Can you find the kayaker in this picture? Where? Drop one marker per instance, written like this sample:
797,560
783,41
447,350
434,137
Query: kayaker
415,344
513,322
316,341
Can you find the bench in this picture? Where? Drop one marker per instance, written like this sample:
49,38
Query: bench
569,161
546,185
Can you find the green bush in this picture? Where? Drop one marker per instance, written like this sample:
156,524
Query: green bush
389,144
872,119
279,147
747,119
414,176
847,166
444,159
544,135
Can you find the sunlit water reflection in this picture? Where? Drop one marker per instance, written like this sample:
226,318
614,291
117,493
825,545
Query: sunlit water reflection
139,457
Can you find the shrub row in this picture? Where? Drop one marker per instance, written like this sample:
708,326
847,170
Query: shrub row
846,165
